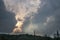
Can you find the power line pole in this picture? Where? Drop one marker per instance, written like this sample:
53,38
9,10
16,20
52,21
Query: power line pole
34,32
34,35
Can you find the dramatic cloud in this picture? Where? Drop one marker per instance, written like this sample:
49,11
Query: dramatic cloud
38,15
22,9
48,17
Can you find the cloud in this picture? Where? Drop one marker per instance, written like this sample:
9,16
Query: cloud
47,19
7,19
22,10
45,14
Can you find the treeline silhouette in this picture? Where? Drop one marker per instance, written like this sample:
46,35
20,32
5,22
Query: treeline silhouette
28,37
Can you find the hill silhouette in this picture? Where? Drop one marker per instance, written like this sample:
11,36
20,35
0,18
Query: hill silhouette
25,37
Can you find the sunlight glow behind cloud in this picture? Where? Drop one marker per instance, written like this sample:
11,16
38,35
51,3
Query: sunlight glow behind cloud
43,14
22,9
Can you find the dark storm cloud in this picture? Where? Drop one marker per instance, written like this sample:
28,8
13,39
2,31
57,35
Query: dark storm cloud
7,19
50,10
47,18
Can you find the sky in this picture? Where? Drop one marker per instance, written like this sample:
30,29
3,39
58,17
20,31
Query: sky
27,16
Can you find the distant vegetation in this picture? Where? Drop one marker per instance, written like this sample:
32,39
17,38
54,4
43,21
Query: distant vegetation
28,37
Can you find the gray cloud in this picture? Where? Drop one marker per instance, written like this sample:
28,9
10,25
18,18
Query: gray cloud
49,8
47,18
7,19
